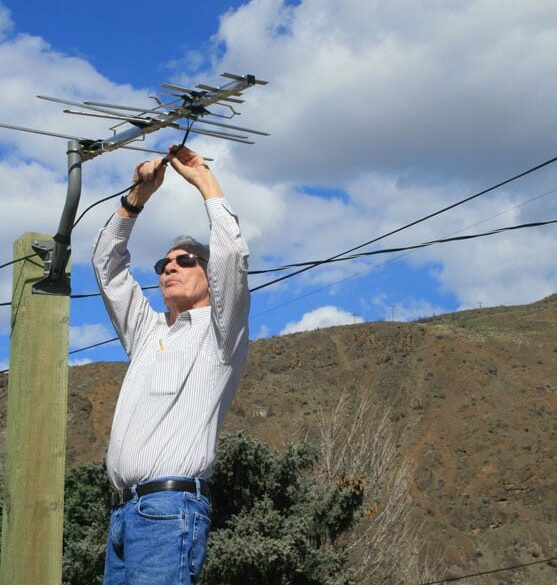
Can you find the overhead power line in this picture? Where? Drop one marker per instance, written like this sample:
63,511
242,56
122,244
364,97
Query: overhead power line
106,341
404,248
416,222
313,263
489,572
411,224
18,260
342,254
399,256
350,258
94,345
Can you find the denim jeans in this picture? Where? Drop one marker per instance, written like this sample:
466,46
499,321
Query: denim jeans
157,539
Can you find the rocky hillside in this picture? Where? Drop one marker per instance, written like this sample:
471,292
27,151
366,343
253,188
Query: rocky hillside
470,397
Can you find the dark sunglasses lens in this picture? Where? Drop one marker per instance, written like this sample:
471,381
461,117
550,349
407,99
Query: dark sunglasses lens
161,265
185,260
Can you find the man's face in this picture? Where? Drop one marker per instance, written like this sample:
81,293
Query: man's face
185,287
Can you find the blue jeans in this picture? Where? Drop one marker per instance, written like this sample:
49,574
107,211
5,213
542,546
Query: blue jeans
157,539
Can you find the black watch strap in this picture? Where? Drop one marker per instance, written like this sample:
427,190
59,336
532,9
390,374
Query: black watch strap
129,206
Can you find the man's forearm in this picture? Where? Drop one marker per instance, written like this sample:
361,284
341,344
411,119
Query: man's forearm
207,184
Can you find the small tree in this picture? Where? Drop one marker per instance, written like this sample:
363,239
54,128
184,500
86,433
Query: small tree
358,444
86,516
277,525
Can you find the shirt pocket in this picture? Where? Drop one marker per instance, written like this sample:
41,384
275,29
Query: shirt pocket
169,373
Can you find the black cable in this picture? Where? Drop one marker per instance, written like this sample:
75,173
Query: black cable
413,223
404,248
81,349
94,345
350,258
393,259
355,256
105,199
511,568
98,294
18,260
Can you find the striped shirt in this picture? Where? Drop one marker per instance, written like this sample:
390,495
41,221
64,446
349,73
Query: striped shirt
181,378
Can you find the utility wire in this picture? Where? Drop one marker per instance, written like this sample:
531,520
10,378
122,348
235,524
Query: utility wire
490,572
356,256
92,346
376,266
18,260
404,248
413,223
337,256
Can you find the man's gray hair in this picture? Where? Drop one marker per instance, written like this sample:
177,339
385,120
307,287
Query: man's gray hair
190,244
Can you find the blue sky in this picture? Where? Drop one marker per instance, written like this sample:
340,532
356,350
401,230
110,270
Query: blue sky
379,113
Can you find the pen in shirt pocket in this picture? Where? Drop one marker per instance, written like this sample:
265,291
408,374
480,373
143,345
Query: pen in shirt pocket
161,344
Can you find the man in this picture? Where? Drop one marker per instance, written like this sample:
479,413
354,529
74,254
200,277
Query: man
185,365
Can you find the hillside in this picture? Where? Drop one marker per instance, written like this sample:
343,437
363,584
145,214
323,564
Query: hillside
470,396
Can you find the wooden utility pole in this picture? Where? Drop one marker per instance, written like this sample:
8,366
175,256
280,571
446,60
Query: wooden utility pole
32,524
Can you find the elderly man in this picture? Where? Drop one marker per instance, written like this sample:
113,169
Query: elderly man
185,366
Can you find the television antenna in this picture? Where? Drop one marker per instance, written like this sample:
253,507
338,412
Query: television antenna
132,125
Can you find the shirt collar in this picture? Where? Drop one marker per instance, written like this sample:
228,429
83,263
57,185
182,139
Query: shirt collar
191,316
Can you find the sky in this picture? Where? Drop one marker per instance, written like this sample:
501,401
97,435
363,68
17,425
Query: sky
379,113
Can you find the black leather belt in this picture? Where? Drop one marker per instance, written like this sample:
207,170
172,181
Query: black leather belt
119,497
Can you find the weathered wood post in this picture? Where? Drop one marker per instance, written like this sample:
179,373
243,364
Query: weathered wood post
32,524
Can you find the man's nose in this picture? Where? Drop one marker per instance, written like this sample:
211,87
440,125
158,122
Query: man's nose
171,267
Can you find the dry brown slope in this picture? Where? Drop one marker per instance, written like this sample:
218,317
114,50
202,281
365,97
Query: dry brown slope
471,396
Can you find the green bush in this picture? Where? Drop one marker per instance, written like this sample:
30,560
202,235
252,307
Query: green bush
275,524
86,517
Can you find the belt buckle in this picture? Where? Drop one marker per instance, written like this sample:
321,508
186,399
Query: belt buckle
116,498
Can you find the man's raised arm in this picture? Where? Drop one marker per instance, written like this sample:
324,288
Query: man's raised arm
227,269
129,310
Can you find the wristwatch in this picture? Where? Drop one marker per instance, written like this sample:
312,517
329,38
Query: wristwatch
129,206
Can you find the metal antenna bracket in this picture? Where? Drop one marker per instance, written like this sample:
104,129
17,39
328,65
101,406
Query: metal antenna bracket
48,285
57,253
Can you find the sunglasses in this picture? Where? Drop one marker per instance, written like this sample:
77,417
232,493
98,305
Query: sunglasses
183,260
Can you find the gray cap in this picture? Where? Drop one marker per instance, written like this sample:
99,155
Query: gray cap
190,244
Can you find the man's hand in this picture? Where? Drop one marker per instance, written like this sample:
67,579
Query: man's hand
149,176
192,167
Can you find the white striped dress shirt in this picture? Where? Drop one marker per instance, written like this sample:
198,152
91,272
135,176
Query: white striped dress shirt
181,378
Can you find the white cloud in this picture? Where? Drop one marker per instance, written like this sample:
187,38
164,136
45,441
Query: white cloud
328,316
88,334
410,310
263,333
80,362
6,23
405,108
428,88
